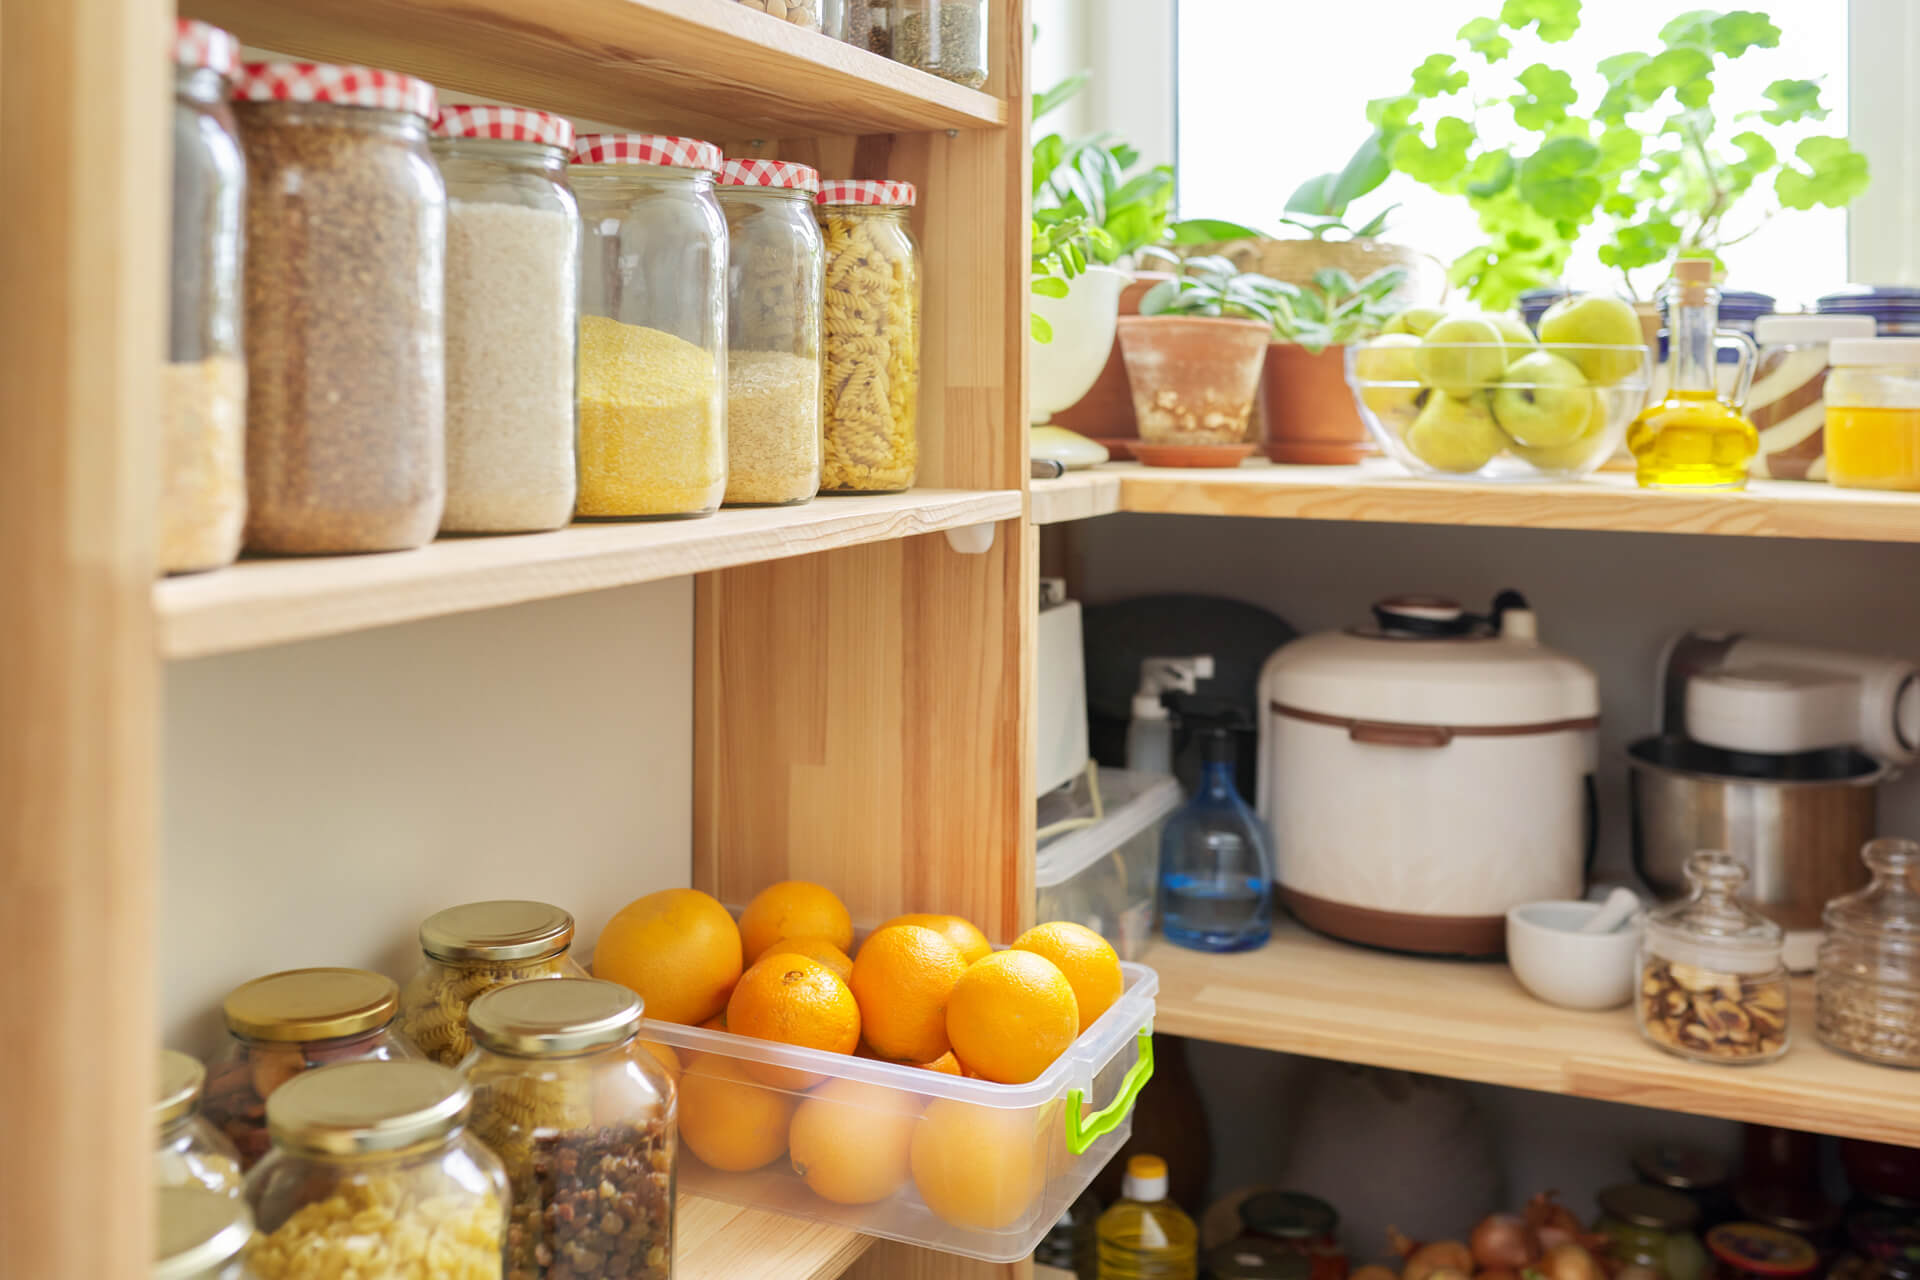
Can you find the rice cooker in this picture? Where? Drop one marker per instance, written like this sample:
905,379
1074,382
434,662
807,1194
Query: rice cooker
1425,773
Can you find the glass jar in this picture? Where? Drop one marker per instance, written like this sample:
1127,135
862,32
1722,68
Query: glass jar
1873,414
801,13
287,1023
1698,1175
946,37
580,1116
653,359
872,310
1305,1224
345,321
1654,1228
373,1173
203,470
513,318
188,1151
1866,987
1749,1251
1788,401
200,1234
474,948
1894,309
1887,1243
775,264
1256,1258
848,20
1712,986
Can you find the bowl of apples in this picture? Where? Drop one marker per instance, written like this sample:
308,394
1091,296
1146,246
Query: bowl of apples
1480,396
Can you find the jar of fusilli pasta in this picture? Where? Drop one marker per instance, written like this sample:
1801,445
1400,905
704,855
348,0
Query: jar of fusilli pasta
374,1173
583,1117
774,266
473,948
871,311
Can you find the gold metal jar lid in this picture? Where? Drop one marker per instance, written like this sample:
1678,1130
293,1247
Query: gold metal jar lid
198,1231
554,1016
358,1108
505,930
181,1079
312,1004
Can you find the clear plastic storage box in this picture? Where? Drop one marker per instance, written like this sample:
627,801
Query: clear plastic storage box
1101,874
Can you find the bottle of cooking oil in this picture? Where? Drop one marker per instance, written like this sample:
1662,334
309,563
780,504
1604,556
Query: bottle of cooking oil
1146,1236
1694,439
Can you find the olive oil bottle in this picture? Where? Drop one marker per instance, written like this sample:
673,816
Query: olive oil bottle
1692,438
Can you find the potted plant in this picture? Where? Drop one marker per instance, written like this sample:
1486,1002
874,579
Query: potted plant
1305,401
1075,304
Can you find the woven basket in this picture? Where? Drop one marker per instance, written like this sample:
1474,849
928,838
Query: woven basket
1295,261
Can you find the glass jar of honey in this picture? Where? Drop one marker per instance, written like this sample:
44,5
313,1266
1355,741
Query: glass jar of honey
1873,413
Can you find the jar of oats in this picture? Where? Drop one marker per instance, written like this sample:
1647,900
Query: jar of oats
188,1151
871,316
473,948
1866,985
200,1234
774,267
373,1173
345,288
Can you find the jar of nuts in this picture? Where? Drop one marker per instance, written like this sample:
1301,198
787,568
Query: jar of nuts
1712,985
1866,987
801,13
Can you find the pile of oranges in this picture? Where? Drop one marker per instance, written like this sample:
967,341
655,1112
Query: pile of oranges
926,991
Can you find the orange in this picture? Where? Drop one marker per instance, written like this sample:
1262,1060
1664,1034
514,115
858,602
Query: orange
1011,1016
902,979
793,909
977,1166
1090,963
668,1059
793,1000
946,1064
678,948
729,1121
815,948
973,944
850,1141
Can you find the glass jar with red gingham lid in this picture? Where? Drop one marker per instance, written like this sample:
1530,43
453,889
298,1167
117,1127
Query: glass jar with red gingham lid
653,327
345,289
871,317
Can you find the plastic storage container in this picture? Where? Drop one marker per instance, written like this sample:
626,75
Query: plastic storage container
513,318
653,330
1712,985
200,1234
1654,1228
801,13
345,319
1873,414
473,948
1788,401
872,310
1101,874
188,1151
1867,983
946,37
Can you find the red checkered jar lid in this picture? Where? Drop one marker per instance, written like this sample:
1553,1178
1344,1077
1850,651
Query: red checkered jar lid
503,124
842,191
202,45
646,148
770,173
341,86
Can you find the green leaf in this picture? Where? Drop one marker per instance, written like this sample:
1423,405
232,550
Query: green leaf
1374,225
1209,230
1683,70
1334,281
1620,148
1548,95
1390,115
1039,328
1059,94
1556,20
1757,156
1641,245
1693,28
1793,100
1364,171
1492,173
1440,163
1743,29
1314,196
1050,287
1619,99
1482,35
1436,76
1833,174
1557,181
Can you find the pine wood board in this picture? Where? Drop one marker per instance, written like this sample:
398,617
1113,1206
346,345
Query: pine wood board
718,1241
1078,495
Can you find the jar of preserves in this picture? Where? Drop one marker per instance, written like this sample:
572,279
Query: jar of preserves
513,318
1306,1224
1256,1258
1712,985
1749,1251
345,319
188,1151
373,1173
1699,1175
287,1023
775,264
1866,987
1787,403
203,470
473,948
1885,1243
584,1120
200,1234
946,37
872,317
1654,1228
1873,413
653,359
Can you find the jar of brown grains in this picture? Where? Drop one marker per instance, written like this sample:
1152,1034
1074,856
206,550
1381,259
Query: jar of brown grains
871,317
471,949
345,288
1866,986
584,1118
1712,984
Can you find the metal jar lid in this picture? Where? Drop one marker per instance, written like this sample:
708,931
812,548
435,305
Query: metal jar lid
1640,1205
504,930
1288,1215
1761,1251
357,1108
181,1079
1681,1168
553,1016
197,1231
311,1004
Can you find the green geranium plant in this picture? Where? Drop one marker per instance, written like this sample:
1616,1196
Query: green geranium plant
1335,310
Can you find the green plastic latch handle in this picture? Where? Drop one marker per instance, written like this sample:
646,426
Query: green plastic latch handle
1083,1134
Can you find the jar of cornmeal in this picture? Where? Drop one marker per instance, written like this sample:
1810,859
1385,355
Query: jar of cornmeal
1873,413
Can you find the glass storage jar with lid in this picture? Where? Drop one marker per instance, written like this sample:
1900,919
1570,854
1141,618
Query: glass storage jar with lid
374,1172
1654,1228
472,948
1873,413
345,320
203,470
513,315
653,359
584,1120
1750,1251
801,13
871,310
775,264
1866,985
287,1023
187,1149
1712,985
946,37
200,1234
848,20
1787,403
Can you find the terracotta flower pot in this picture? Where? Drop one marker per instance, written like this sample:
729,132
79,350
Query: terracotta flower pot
1308,408
1194,378
1106,412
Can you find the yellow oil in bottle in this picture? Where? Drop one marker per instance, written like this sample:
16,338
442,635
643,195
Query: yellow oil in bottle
1692,439
1146,1236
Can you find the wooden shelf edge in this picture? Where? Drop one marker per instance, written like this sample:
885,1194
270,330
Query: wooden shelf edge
719,1241
1078,495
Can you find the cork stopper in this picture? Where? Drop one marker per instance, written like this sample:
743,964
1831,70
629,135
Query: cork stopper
1695,277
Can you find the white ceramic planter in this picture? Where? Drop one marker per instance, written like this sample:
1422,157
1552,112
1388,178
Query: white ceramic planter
1060,372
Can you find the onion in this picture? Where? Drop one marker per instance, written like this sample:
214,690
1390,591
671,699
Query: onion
1503,1241
1634,1271
1374,1271
1500,1273
1428,1260
1569,1262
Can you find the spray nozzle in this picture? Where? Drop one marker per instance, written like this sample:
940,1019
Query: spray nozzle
1168,675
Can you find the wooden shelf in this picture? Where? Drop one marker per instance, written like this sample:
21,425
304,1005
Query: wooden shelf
1470,1020
716,1241
263,602
1078,495
712,68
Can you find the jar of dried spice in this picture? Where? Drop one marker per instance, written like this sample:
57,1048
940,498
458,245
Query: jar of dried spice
203,470
946,37
513,317
871,308
584,1120
188,1150
848,20
1866,986
287,1023
774,268
200,1234
345,286
1712,984
373,1173
653,360
474,948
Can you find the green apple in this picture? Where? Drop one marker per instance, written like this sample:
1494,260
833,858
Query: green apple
1542,401
1513,332
1379,366
1455,435
1578,452
1416,320
1598,320
1460,355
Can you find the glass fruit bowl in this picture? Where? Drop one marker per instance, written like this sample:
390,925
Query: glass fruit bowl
1484,411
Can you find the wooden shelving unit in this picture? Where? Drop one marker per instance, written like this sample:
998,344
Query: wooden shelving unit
725,1242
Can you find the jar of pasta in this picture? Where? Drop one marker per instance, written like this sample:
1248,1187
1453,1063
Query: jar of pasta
871,310
653,307
584,1120
1873,413
200,1234
473,948
373,1173
774,267
287,1023
188,1151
